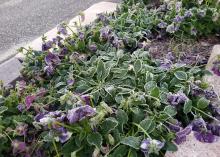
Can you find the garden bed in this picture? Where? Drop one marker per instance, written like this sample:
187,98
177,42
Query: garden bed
128,84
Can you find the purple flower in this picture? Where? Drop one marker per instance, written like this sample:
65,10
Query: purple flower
70,82
176,99
41,92
21,85
51,59
178,19
210,94
206,137
61,29
193,31
49,70
178,6
21,129
29,100
93,47
181,135
80,113
202,13
47,45
216,68
170,56
104,33
149,146
165,64
86,99
21,107
174,127
214,128
39,116
162,24
170,28
199,125
63,51
81,35
18,147
196,90
188,14
64,135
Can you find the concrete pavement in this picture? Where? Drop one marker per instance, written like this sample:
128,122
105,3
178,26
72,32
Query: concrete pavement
21,21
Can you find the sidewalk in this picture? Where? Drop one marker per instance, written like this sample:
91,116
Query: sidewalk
9,70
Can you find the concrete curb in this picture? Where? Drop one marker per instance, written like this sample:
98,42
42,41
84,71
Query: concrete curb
10,69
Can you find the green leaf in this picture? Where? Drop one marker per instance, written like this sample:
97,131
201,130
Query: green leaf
3,109
202,103
100,69
155,92
181,75
187,107
145,124
137,66
95,139
132,141
120,151
170,110
108,125
122,118
150,86
170,147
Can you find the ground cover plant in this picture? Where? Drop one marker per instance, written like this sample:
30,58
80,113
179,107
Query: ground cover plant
100,92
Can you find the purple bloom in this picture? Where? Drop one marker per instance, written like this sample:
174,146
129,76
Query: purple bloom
18,147
149,146
216,68
29,100
196,91
174,127
193,31
86,99
188,14
52,59
170,28
206,137
21,85
199,125
181,135
49,70
178,6
21,129
47,45
81,35
176,99
93,47
80,113
63,51
104,33
39,116
162,24
41,92
62,29
178,19
170,56
21,107
64,135
214,128
70,82
202,13
210,94
165,64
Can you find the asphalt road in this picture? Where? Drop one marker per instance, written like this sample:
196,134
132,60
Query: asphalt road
22,21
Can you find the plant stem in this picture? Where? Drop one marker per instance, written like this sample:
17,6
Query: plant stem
55,147
206,114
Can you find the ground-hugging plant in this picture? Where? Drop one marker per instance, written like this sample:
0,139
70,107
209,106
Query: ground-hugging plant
95,93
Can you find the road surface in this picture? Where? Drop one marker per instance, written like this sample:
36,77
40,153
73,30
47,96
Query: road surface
21,21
